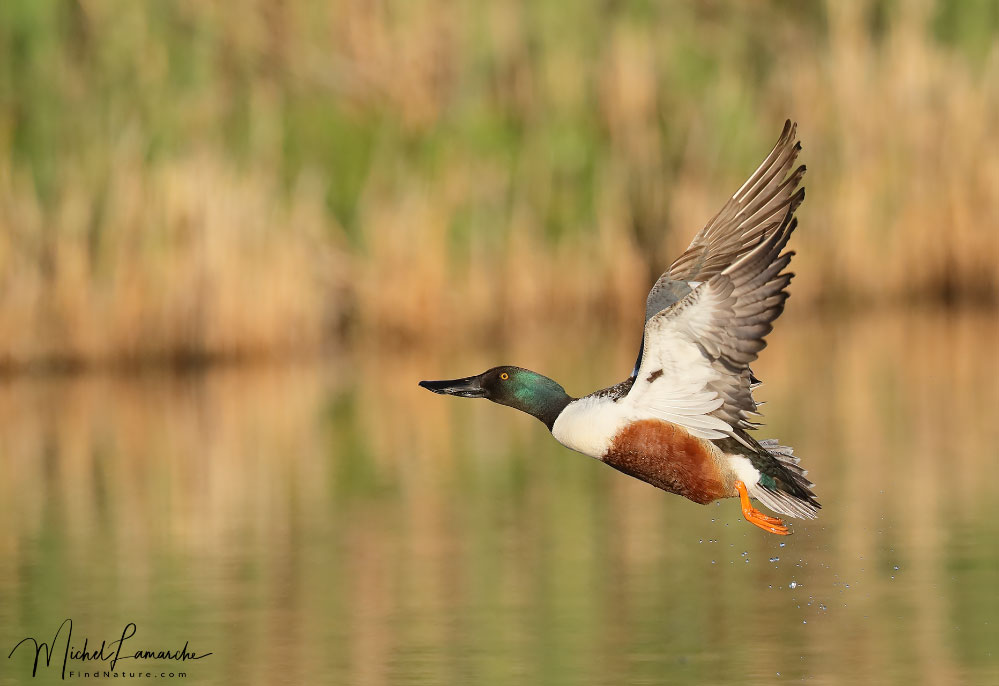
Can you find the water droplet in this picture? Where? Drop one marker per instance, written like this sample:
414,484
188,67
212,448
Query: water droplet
823,607
793,584
896,568
774,559
745,552
782,545
804,621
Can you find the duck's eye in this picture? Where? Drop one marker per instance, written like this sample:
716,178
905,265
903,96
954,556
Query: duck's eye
504,376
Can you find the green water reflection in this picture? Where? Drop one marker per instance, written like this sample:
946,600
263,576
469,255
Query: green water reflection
333,523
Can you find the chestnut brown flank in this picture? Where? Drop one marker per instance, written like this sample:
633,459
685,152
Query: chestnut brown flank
668,457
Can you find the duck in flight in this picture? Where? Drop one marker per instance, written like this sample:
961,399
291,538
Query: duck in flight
681,421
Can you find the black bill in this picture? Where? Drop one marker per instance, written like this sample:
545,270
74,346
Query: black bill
469,387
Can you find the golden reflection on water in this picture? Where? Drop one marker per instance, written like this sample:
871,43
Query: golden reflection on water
336,523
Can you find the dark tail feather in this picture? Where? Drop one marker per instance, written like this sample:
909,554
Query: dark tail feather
792,494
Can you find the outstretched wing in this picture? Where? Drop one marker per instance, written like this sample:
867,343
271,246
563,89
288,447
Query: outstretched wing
696,355
742,223
738,227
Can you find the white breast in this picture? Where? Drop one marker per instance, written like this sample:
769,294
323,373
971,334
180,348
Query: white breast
588,425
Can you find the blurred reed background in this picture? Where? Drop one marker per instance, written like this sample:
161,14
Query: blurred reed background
193,180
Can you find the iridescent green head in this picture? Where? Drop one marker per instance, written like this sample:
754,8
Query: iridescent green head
519,388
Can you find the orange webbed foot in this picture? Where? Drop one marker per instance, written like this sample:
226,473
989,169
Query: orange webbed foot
772,524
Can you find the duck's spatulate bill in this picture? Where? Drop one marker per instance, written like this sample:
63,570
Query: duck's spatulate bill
468,387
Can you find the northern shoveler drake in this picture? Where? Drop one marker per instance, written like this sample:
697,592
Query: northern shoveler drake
681,421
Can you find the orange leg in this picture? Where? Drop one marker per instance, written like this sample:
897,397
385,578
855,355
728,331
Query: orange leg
753,516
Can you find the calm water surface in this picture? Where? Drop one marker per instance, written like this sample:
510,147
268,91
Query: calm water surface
334,523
